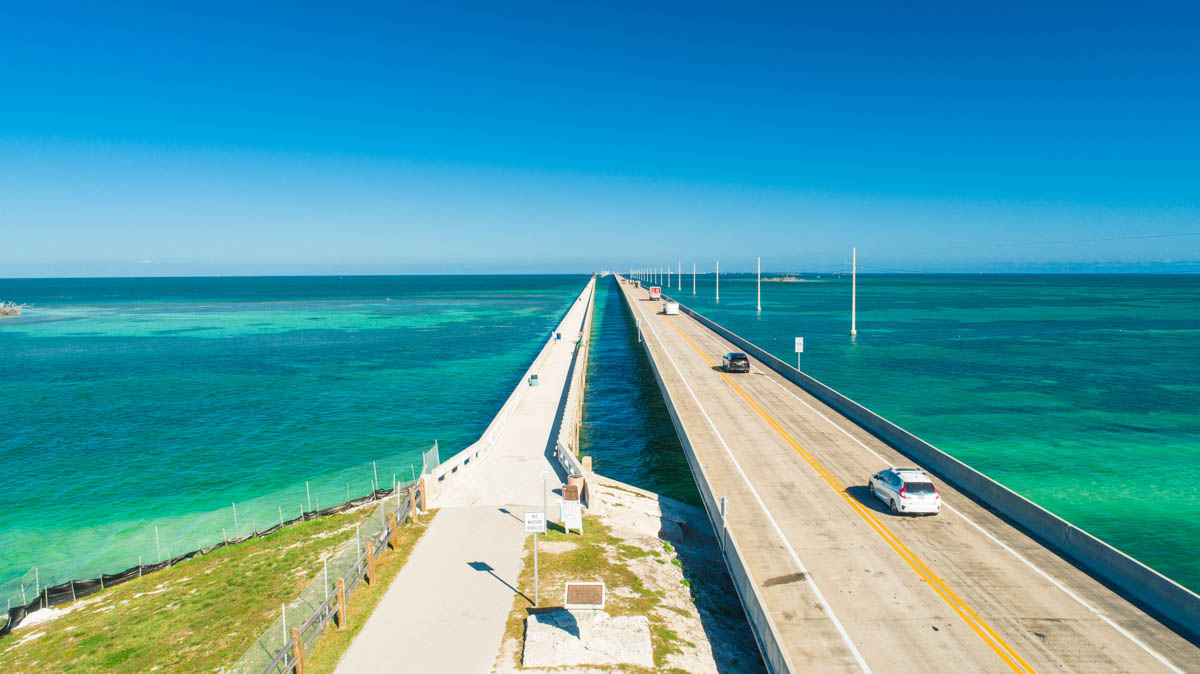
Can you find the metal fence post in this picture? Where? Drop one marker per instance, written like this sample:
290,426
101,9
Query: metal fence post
285,633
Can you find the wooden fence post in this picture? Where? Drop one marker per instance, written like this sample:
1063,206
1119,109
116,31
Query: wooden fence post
371,562
395,531
412,504
424,493
298,651
341,598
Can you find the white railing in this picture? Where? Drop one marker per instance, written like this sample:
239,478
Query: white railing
468,458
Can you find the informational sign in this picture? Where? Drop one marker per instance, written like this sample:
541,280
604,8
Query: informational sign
572,515
799,345
545,473
570,492
535,523
584,596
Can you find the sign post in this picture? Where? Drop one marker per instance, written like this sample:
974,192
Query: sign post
545,474
535,523
799,350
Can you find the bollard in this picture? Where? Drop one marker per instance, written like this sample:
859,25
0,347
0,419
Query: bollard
298,651
395,531
341,598
371,562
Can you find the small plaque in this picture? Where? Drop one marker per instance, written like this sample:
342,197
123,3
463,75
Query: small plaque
584,596
570,492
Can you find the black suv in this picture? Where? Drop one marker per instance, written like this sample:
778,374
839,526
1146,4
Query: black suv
736,362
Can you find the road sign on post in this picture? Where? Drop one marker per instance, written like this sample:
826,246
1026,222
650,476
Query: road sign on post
799,350
535,523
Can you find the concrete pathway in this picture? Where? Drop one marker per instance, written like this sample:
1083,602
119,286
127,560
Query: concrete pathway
446,610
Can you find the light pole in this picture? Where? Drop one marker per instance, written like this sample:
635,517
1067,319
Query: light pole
693,279
718,280
853,292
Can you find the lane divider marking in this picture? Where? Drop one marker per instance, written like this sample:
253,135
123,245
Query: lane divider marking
977,624
1082,602
862,663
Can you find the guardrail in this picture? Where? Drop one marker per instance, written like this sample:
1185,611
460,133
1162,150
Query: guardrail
1145,585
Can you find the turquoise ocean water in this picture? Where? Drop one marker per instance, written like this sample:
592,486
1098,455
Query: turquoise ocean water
141,402
135,403
1081,392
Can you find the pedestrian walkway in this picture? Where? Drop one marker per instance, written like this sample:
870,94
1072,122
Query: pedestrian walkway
446,610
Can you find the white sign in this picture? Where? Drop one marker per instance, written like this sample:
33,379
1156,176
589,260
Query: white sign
799,345
571,513
545,473
535,523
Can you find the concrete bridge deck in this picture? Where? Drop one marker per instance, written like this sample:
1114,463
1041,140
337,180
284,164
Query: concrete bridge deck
446,610
848,586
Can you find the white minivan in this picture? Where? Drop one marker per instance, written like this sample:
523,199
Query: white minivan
906,490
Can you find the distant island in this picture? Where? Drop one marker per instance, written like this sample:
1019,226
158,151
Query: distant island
10,309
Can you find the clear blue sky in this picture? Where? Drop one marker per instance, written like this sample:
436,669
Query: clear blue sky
385,138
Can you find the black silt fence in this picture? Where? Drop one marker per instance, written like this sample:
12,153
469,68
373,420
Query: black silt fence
54,595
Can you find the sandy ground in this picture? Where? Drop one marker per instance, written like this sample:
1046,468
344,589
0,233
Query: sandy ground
715,623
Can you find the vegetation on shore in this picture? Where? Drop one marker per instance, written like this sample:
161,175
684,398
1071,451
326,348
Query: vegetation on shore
202,613
597,555
10,309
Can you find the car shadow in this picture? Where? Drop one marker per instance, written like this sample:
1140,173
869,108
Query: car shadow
863,495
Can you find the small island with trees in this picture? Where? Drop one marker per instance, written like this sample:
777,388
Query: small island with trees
10,309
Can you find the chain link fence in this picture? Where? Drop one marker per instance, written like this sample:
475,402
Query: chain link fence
37,589
304,619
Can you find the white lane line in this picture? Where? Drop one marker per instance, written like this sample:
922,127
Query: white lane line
1167,663
778,530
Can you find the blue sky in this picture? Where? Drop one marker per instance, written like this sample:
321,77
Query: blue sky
167,138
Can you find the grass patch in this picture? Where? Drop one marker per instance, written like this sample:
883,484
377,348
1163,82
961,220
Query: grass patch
598,555
330,647
197,615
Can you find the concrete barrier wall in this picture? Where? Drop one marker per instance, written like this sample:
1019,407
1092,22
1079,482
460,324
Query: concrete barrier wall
1157,592
766,635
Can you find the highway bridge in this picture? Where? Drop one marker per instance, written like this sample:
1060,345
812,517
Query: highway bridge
831,580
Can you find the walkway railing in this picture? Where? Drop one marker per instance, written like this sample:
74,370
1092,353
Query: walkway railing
566,448
468,458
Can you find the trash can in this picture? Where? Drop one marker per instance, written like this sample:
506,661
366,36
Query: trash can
533,380
557,336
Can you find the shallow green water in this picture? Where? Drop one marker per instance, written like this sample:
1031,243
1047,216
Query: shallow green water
135,403
1081,392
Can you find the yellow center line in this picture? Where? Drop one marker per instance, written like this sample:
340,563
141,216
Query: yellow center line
981,628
